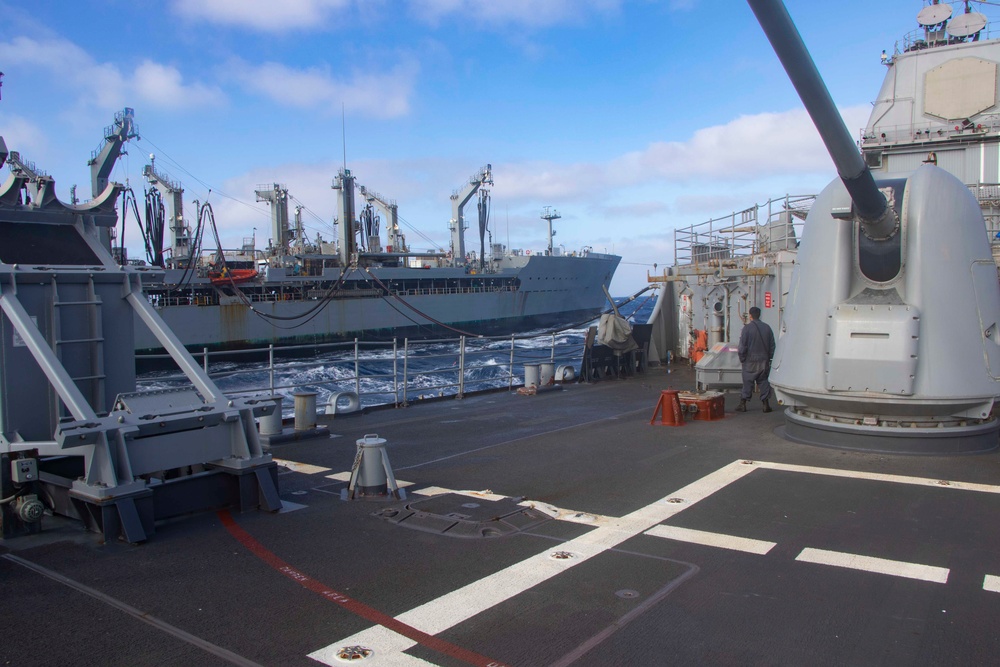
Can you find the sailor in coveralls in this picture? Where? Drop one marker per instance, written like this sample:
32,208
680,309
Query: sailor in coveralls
755,350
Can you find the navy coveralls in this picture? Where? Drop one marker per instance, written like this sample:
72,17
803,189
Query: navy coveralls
755,351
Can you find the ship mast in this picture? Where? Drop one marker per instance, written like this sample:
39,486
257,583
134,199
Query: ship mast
549,215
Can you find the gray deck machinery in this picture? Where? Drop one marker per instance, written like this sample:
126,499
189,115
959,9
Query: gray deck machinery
75,436
890,341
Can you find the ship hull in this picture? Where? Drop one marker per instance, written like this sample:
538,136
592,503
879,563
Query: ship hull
547,292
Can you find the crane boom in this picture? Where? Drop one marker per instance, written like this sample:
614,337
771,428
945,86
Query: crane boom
458,201
389,208
180,233
102,160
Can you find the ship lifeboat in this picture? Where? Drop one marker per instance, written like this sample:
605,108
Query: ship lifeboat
232,276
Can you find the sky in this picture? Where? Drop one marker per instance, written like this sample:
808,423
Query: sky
631,118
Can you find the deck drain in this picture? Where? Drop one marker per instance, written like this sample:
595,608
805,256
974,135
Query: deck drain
747,462
353,653
675,501
943,482
627,594
563,555
470,506
299,493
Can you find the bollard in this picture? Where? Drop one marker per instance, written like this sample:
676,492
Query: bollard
546,373
669,408
271,424
531,375
371,474
305,410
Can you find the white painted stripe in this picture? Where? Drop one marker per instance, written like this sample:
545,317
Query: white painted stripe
557,513
895,568
346,477
707,539
877,477
301,467
440,491
991,582
457,606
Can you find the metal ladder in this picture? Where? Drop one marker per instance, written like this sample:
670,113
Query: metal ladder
92,383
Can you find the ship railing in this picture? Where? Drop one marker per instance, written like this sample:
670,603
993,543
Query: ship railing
769,227
929,132
396,372
921,38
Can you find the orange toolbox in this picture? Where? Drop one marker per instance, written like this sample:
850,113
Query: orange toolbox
706,406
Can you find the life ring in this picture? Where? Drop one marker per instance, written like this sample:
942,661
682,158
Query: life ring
527,252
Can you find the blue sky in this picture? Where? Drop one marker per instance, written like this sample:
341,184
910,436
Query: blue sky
630,117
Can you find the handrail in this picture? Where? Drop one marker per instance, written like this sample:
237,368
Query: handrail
492,360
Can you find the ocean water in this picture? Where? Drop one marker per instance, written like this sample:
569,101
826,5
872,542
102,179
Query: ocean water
381,373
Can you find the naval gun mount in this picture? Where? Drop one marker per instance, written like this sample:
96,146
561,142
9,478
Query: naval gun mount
76,437
890,339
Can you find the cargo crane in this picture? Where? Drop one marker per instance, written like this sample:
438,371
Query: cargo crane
277,196
172,190
875,351
458,201
395,241
102,160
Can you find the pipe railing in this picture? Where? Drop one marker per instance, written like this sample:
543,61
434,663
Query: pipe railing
412,371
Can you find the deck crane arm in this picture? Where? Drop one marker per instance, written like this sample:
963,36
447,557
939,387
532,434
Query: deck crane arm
458,201
173,191
102,160
391,212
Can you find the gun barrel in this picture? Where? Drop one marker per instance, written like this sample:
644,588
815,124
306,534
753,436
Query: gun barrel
869,203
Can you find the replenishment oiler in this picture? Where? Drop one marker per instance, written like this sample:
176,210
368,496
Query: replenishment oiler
302,292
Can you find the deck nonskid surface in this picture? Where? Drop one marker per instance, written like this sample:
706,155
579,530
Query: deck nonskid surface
715,542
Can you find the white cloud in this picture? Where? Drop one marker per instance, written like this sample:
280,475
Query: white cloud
749,148
104,85
268,16
264,15
385,95
22,135
164,86
529,13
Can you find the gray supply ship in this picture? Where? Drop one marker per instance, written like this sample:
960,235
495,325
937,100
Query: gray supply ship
302,292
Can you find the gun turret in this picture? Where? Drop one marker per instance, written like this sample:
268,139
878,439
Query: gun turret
877,218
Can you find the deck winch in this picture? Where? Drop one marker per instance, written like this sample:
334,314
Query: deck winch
890,339
117,459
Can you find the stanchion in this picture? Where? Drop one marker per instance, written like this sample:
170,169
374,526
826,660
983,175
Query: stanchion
669,409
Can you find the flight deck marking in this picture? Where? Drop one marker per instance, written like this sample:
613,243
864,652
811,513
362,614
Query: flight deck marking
719,540
386,622
300,467
457,606
894,568
462,604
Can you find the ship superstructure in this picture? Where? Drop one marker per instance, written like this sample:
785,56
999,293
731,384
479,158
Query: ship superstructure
365,285
938,104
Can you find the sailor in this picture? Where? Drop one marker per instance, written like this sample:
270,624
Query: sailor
755,351
885,57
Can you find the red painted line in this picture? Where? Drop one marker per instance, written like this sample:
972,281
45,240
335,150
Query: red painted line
354,606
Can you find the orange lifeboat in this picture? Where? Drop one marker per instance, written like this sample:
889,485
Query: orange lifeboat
228,277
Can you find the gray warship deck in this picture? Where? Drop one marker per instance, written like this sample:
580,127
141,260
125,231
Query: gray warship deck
711,543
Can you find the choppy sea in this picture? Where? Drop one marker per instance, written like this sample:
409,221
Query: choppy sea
381,373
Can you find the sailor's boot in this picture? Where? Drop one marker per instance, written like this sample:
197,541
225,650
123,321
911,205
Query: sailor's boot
767,406
742,407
